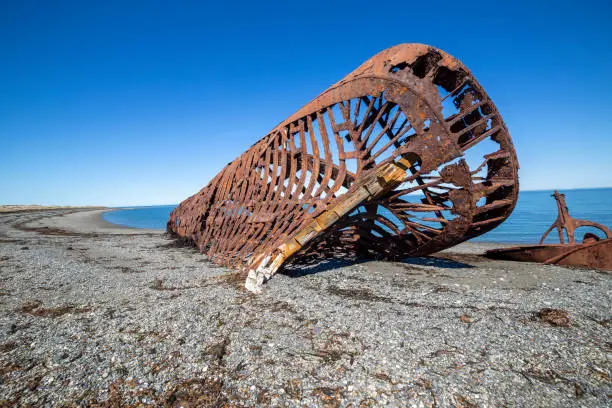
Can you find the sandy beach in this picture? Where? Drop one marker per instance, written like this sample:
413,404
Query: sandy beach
24,208
94,314
84,222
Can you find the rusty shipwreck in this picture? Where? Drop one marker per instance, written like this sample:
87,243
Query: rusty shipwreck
339,175
592,252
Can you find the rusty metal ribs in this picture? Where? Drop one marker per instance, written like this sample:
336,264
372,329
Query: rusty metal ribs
405,156
566,222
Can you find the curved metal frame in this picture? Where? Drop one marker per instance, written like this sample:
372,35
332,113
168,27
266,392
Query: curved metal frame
337,176
596,254
565,222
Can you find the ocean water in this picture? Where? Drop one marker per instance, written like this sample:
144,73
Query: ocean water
534,213
536,210
155,216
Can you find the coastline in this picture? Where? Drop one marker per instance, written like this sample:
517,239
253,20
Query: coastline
88,222
4,209
97,314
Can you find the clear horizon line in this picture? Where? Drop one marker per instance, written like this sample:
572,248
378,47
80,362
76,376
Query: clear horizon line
164,204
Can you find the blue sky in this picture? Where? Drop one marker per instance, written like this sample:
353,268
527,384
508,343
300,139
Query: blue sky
142,102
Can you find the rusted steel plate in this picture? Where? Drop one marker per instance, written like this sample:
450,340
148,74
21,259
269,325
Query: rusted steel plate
597,255
531,253
412,108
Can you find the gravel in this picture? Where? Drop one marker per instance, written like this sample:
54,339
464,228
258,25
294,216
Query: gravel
96,316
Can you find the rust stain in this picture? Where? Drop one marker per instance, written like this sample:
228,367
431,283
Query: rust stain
336,177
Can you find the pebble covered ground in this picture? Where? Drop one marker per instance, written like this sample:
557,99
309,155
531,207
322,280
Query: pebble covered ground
101,319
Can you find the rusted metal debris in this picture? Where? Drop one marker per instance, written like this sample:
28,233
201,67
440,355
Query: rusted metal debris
336,177
592,252
555,317
565,222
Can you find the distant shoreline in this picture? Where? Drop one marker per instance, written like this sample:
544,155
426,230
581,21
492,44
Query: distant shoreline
561,189
86,221
35,207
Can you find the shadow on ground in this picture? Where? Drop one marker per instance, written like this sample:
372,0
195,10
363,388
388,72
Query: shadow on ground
437,262
297,269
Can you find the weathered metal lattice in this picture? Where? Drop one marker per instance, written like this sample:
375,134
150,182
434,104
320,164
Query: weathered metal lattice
405,156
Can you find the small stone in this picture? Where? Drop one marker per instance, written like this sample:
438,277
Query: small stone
60,356
555,317
465,318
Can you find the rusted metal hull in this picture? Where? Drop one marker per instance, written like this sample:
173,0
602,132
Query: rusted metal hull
597,255
530,253
568,224
337,176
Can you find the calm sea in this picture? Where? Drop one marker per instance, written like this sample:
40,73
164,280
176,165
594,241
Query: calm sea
534,213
